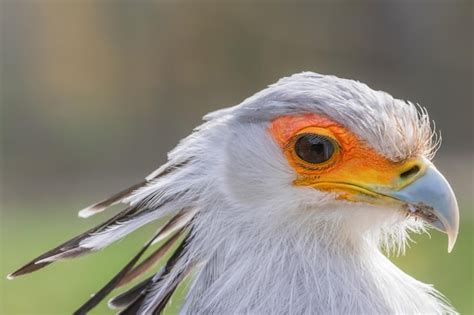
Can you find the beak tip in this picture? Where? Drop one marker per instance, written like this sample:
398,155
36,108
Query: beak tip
452,240
450,247
450,229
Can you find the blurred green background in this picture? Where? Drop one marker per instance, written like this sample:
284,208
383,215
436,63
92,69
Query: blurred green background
94,93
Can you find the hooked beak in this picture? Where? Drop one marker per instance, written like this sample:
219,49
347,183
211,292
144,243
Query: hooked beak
358,173
415,184
430,197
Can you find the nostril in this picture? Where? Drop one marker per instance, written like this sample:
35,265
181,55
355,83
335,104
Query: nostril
410,172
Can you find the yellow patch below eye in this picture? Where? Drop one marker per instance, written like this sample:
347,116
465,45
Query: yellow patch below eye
353,165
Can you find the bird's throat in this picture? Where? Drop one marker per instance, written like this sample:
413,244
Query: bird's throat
304,275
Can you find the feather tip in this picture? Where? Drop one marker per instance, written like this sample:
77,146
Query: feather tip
90,211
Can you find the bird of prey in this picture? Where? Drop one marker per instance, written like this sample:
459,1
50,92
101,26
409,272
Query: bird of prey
283,204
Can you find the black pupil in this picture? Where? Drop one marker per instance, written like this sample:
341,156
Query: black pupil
314,148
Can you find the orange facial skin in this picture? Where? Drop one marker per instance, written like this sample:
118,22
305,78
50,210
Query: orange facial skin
355,171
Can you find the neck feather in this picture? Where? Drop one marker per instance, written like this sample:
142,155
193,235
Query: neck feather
273,270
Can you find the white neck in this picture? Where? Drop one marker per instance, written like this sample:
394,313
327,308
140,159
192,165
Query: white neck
271,271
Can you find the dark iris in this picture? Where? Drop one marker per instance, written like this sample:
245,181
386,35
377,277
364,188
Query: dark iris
314,148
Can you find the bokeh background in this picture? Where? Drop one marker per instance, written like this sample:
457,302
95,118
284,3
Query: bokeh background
94,93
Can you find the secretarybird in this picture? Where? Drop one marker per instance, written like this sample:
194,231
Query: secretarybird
283,204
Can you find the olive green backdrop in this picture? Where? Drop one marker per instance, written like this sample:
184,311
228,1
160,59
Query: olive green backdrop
94,93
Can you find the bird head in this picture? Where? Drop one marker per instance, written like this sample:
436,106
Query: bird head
290,177
332,155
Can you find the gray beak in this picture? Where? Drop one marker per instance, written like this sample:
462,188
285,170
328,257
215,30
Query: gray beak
430,197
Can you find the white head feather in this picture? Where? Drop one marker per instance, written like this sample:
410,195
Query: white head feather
268,247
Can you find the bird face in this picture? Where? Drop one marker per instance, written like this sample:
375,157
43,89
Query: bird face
328,157
348,152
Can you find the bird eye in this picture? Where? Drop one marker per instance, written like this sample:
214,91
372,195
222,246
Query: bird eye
314,148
